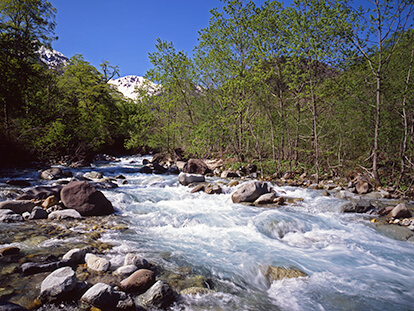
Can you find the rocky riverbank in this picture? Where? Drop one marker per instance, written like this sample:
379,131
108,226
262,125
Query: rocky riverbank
38,271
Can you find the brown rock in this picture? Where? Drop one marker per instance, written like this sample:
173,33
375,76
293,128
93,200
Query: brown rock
139,281
196,166
400,211
50,201
19,206
84,198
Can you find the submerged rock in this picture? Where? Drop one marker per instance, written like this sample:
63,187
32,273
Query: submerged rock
84,198
273,273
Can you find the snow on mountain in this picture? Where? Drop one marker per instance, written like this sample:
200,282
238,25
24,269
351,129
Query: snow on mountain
127,85
53,59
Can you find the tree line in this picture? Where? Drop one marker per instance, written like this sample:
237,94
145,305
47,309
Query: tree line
321,86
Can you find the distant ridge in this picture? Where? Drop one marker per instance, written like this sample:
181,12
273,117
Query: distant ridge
53,59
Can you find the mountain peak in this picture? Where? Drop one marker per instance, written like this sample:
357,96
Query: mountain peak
53,59
127,85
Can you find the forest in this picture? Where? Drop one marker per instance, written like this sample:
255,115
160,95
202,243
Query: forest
319,86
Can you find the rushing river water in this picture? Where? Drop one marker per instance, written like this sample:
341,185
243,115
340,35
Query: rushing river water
350,265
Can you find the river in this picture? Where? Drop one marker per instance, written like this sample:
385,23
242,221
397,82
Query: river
351,266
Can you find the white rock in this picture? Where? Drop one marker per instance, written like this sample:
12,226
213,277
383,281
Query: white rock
64,214
186,179
126,270
58,282
98,264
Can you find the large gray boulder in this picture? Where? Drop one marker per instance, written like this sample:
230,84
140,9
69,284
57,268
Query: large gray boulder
104,297
159,296
358,206
250,192
57,284
186,179
84,198
19,206
54,173
196,166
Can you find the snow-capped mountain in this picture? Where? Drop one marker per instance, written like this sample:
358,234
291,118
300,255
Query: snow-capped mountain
127,85
53,59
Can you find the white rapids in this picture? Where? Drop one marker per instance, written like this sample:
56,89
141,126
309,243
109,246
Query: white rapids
350,265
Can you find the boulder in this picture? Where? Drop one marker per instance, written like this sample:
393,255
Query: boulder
186,179
41,193
77,255
400,211
38,213
159,296
64,214
139,281
273,273
104,297
57,284
53,173
229,174
19,206
213,189
95,263
29,268
267,198
196,166
84,198
136,260
359,206
145,170
363,184
250,192
7,215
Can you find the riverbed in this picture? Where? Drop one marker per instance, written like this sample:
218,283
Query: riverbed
351,266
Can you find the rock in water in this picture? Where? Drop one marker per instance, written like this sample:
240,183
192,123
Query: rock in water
278,273
139,281
196,166
159,296
53,173
186,179
250,192
84,198
58,283
400,211
104,297
98,264
19,207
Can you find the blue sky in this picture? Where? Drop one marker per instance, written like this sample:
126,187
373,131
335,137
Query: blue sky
125,31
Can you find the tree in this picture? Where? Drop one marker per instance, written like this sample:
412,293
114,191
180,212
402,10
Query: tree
385,23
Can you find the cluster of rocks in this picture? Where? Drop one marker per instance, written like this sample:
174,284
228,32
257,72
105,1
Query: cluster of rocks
74,200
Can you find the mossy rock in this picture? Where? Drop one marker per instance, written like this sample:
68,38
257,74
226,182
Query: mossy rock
273,273
196,291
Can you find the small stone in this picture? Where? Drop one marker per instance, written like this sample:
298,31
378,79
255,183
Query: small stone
98,264
50,201
126,270
198,188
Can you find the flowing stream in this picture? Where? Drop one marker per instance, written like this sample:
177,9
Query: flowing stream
350,265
